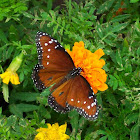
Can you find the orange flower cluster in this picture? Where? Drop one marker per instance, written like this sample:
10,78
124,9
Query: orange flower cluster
91,65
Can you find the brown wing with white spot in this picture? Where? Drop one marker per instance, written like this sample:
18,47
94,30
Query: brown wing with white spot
53,61
75,93
82,98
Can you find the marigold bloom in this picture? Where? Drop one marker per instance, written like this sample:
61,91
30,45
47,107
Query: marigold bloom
54,132
91,65
10,73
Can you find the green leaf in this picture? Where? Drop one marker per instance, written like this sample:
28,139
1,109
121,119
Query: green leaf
78,136
133,1
3,37
5,91
25,96
26,107
22,122
134,134
125,43
28,15
21,76
16,111
11,121
99,30
131,118
49,5
105,6
120,18
119,27
74,121
111,98
103,138
138,51
119,58
113,82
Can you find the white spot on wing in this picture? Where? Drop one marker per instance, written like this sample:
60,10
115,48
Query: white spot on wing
46,44
72,100
88,107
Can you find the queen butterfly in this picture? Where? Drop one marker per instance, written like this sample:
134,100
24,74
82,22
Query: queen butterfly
70,89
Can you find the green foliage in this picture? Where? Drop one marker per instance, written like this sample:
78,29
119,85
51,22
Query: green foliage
11,9
98,26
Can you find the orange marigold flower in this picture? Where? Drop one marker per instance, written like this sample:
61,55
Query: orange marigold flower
91,65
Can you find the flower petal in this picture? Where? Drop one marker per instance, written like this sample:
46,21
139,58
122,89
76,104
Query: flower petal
99,53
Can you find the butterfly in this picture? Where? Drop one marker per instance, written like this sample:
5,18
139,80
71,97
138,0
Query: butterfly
69,90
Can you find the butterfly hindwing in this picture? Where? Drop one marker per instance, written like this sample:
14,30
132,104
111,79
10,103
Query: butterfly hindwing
75,93
82,98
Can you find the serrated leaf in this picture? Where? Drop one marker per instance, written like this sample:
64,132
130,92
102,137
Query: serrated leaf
9,51
11,121
25,96
111,98
27,107
131,118
112,80
99,30
134,134
28,15
119,58
78,136
119,27
120,18
3,37
22,122
109,42
99,132
105,6
16,111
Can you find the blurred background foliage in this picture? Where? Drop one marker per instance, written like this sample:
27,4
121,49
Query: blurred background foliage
111,25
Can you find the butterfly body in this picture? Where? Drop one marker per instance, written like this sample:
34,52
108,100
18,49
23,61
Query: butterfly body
70,90
73,73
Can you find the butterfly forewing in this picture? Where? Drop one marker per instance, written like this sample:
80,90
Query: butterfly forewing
53,61
51,54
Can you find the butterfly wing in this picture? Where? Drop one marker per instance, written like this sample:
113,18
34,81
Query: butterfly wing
81,97
58,99
75,93
53,61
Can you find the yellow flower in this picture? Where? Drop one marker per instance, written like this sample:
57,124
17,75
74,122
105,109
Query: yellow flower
10,73
91,65
54,132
